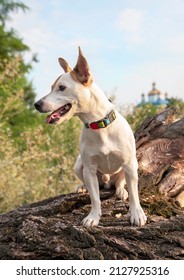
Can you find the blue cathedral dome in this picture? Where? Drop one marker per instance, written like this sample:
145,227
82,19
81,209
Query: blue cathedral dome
155,97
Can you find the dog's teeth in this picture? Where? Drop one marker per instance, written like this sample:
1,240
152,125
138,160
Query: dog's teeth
67,107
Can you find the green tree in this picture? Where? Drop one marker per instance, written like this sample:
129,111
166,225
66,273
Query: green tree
178,104
36,159
7,6
140,113
11,46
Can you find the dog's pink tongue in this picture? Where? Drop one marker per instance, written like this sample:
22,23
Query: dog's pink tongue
51,118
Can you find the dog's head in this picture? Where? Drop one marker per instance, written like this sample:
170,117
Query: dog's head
69,94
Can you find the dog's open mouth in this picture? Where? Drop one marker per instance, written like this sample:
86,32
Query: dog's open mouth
56,115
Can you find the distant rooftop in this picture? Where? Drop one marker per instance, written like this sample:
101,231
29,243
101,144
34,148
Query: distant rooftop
154,97
154,91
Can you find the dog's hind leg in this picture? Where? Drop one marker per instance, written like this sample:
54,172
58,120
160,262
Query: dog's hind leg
137,215
78,169
120,185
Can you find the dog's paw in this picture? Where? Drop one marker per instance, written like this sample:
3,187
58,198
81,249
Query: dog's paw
121,193
80,189
91,220
137,216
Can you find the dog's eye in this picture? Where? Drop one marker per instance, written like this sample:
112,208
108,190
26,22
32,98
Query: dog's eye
62,87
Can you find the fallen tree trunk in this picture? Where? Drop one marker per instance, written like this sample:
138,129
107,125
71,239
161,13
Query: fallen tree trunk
160,152
51,229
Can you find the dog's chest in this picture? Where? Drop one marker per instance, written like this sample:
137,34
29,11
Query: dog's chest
107,163
108,150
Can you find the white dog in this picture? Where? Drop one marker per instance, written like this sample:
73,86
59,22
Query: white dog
107,145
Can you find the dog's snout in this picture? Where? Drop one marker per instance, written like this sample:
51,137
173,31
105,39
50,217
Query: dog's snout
38,105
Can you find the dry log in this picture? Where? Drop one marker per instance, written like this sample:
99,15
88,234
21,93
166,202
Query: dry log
160,152
51,229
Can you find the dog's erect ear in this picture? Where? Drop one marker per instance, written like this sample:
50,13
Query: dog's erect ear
64,65
82,69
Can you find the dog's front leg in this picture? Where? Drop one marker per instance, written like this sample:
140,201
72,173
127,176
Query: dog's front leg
137,215
91,183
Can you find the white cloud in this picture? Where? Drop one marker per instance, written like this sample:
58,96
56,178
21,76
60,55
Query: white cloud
131,22
34,30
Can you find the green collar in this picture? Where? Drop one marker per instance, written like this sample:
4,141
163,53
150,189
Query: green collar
102,123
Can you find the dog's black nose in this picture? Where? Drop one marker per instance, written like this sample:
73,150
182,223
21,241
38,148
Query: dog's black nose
38,105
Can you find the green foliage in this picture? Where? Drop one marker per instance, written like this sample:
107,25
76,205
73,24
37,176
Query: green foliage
140,113
39,166
13,107
10,44
13,47
7,6
36,159
178,104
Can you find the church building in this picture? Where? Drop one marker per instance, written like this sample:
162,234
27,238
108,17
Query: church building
154,97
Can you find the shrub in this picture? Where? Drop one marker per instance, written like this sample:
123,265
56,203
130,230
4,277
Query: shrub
36,160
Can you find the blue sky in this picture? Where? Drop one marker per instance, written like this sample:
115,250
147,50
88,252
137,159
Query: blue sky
128,43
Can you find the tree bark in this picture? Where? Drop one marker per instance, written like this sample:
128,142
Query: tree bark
160,152
51,229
